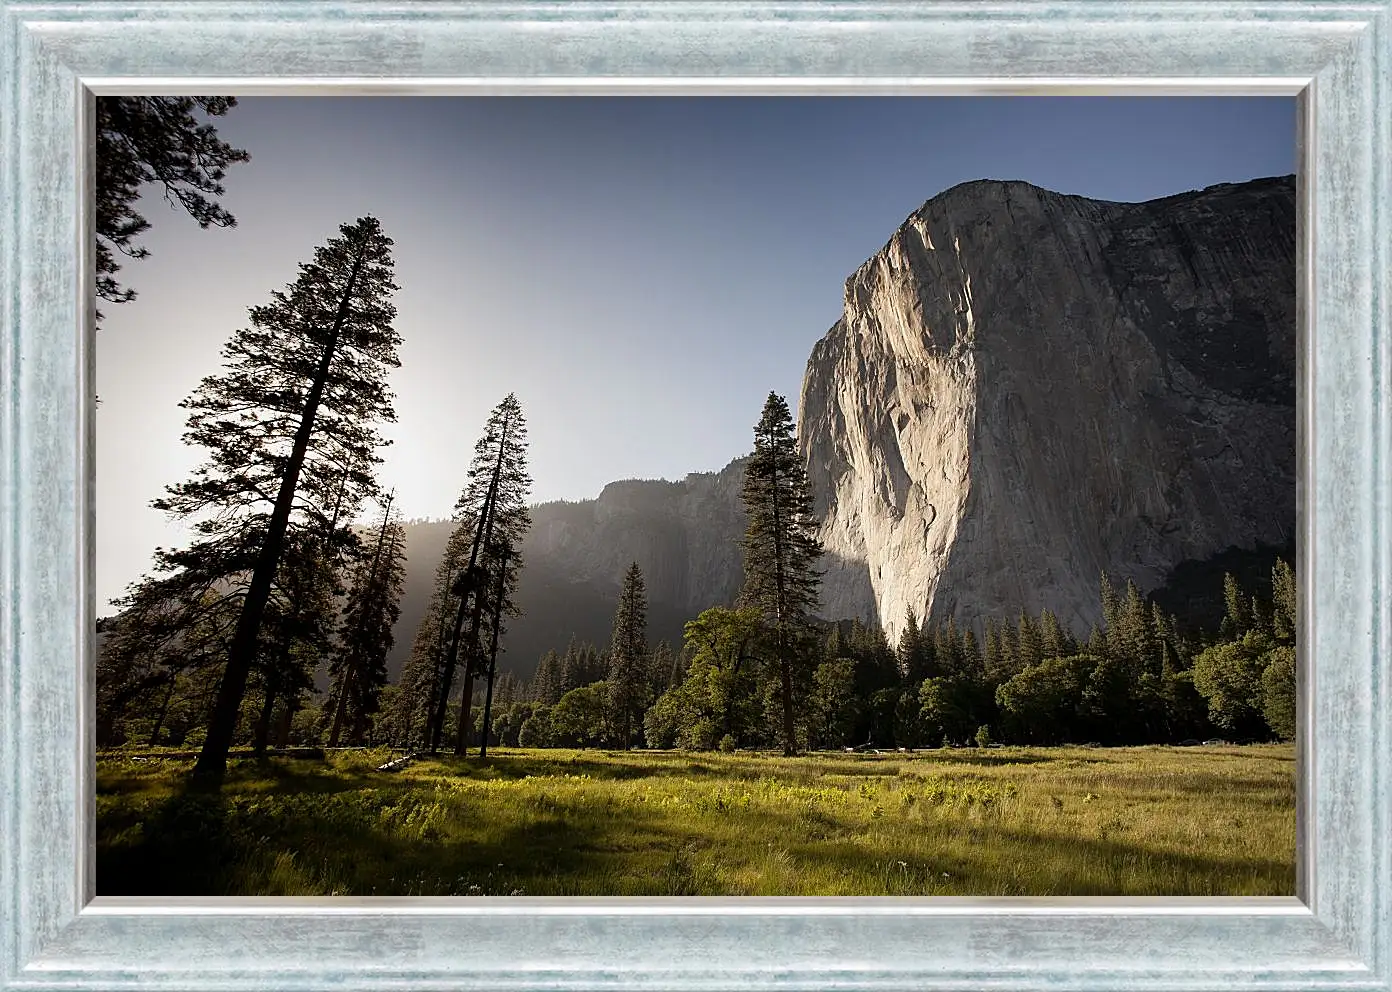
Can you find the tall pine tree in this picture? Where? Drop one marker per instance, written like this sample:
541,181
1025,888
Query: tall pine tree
629,651
298,403
1055,640
545,687
1237,617
662,669
781,551
1029,642
914,653
1284,603
495,499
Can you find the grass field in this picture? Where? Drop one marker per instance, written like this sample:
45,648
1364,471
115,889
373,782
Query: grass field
1010,821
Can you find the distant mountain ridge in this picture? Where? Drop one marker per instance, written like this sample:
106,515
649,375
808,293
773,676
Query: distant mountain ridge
684,535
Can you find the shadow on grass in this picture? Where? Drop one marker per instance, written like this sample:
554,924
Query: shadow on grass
616,767
679,764
1080,866
822,845
1271,790
219,844
166,845
305,776
988,759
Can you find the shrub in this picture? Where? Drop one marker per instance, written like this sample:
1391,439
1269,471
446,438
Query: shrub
1278,692
699,735
536,729
1041,703
581,717
663,720
1229,676
305,729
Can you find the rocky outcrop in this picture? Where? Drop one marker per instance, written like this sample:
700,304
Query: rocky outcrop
1026,389
685,536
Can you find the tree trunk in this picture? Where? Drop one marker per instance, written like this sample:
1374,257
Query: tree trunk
284,724
789,744
164,708
468,582
212,760
461,742
482,534
466,709
339,707
493,655
428,731
261,733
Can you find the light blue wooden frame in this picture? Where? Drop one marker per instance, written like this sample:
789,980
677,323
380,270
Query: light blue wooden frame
55,55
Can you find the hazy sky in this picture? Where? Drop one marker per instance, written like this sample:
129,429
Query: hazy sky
641,271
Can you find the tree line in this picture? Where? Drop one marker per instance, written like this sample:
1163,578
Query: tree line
1139,677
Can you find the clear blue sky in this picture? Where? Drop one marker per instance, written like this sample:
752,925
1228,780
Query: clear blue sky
641,271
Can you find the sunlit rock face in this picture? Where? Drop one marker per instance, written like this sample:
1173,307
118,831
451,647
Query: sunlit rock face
1026,389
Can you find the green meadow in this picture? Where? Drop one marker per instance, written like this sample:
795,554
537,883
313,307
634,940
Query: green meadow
1192,821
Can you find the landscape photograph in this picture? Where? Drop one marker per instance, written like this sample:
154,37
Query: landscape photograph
695,496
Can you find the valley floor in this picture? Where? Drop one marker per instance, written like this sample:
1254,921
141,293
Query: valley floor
1198,821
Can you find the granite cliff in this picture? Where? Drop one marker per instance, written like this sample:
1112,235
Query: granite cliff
1027,388
1024,389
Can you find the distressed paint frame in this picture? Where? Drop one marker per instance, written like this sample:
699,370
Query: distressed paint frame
1336,936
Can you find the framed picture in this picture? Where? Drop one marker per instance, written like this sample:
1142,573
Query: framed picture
60,931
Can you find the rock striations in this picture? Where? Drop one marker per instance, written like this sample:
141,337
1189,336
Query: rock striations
1026,389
